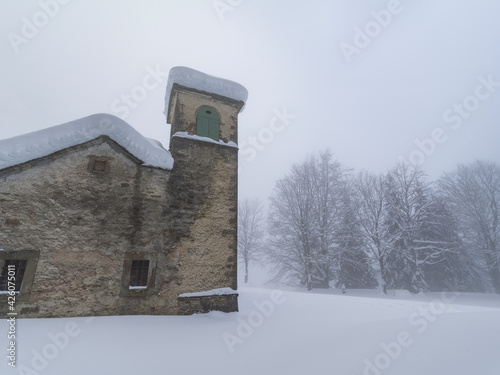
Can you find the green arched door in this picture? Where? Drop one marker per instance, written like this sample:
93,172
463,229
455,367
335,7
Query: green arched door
207,122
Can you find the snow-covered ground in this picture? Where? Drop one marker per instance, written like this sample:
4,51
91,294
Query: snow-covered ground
276,332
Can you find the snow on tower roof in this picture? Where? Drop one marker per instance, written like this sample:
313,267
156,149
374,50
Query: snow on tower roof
26,147
203,82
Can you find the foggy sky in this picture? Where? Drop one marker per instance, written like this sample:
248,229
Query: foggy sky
374,81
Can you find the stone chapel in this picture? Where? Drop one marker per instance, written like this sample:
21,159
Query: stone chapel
96,219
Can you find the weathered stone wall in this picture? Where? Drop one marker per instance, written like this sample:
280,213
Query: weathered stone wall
203,213
83,223
196,305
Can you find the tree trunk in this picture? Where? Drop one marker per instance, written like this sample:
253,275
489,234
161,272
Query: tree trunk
246,271
382,274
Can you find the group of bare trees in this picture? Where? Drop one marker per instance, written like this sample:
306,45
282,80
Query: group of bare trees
473,194
327,226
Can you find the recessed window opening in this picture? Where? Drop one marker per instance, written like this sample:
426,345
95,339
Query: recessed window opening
99,166
13,272
139,274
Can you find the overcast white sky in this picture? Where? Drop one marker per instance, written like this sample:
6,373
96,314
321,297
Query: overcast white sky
367,97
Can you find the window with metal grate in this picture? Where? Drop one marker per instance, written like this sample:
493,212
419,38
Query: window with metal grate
139,273
13,268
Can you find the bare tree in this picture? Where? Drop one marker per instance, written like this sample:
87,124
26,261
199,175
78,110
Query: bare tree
354,262
474,192
250,232
372,214
460,267
311,230
291,227
330,208
413,216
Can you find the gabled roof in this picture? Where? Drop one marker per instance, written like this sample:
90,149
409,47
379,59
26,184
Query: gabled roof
27,147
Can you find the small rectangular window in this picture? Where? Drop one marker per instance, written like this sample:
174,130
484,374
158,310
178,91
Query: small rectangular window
99,166
139,273
13,270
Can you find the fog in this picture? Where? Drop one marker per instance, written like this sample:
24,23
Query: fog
375,82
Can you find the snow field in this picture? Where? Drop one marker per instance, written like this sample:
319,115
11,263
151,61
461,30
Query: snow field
279,333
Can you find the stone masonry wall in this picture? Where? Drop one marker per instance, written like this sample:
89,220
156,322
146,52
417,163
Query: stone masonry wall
203,213
83,223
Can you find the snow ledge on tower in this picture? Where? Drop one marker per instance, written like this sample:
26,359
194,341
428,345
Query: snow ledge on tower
207,293
41,143
205,139
197,80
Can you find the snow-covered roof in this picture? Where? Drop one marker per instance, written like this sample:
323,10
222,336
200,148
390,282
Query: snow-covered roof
203,82
26,147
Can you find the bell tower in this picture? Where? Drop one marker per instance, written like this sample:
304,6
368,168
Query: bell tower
203,113
195,101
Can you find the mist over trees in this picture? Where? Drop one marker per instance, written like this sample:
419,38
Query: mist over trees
312,229
473,193
329,226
